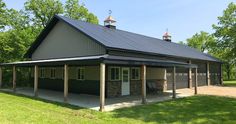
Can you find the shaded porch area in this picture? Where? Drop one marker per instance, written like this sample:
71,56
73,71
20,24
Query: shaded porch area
102,62
92,101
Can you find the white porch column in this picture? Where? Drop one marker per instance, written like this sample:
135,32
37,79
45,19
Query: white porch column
0,77
174,83
143,78
190,76
208,74
14,79
66,83
102,86
36,75
165,81
196,82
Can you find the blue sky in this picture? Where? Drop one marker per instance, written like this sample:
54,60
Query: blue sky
183,18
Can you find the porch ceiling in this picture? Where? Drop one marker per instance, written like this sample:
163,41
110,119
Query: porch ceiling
144,61
107,59
59,62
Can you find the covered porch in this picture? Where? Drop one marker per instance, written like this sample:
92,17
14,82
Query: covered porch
92,101
98,102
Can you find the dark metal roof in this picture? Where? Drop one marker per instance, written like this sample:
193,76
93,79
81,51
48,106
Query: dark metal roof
123,40
108,59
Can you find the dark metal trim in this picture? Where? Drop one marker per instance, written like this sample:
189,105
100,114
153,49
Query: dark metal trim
155,54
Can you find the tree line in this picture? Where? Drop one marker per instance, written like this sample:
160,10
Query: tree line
221,43
19,28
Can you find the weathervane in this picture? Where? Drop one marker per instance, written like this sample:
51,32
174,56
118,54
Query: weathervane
110,12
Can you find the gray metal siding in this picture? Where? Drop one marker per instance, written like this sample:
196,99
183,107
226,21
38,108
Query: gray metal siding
64,41
202,79
214,73
181,78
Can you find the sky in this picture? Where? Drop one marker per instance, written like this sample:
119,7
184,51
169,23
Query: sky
182,18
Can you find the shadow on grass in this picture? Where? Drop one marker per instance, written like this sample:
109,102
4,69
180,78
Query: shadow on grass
196,109
45,101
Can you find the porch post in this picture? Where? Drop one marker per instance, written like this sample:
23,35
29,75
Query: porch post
102,86
208,74
143,77
196,83
14,78
65,83
221,75
36,81
165,81
0,77
174,83
190,76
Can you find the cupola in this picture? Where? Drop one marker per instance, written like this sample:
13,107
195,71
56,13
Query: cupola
110,21
166,36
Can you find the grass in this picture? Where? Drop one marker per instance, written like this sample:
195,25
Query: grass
230,83
197,109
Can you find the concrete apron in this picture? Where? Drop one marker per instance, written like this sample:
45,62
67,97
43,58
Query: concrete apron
92,102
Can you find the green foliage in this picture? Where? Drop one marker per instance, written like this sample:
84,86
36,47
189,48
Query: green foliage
16,40
43,10
222,43
225,33
226,37
201,41
2,14
76,11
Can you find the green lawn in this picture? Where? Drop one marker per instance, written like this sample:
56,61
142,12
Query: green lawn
196,109
230,83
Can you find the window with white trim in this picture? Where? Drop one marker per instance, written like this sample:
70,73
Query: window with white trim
53,73
42,73
114,73
135,73
80,73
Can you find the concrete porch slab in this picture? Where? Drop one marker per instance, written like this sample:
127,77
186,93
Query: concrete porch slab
92,102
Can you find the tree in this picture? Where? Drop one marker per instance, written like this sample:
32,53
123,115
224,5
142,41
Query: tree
226,37
17,19
201,41
2,14
92,18
17,38
76,11
43,10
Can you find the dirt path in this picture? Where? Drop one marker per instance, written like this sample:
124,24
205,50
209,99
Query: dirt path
218,90
209,90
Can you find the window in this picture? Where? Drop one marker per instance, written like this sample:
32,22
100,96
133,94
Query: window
135,73
53,73
42,73
80,73
114,73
